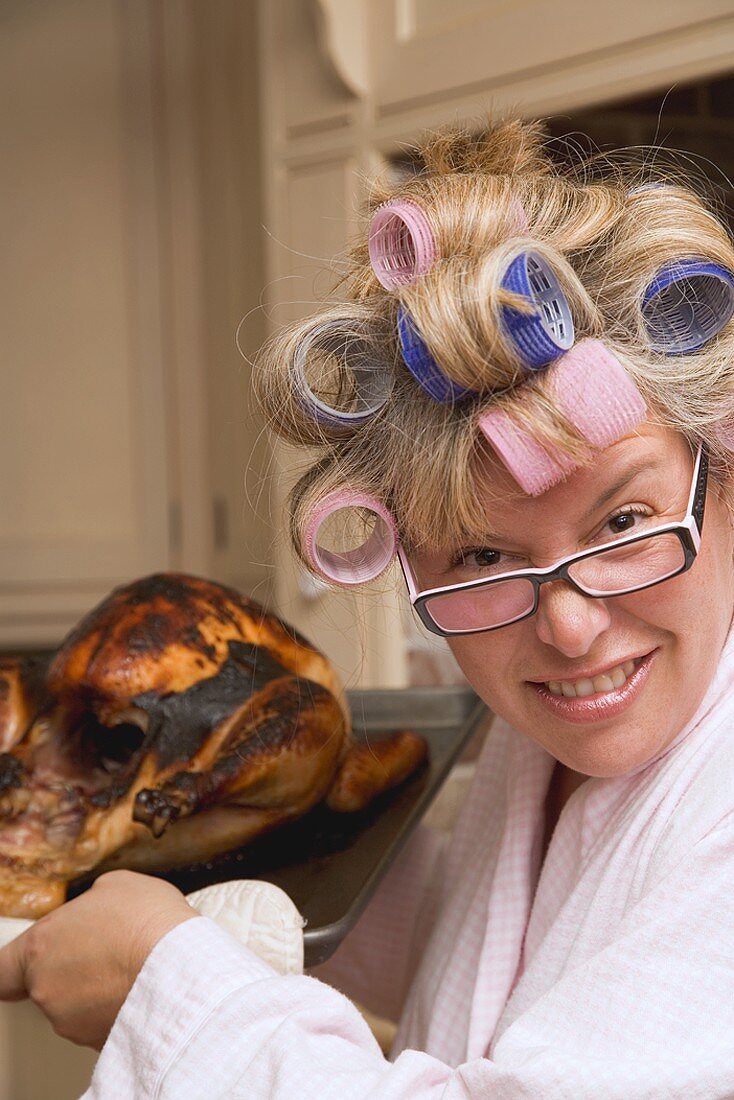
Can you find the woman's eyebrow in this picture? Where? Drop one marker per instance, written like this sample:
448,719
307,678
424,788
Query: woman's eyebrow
629,475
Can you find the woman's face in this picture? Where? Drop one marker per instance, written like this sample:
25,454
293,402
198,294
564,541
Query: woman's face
677,628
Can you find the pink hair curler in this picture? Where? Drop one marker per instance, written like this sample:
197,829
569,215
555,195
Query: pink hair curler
533,467
592,389
363,563
401,243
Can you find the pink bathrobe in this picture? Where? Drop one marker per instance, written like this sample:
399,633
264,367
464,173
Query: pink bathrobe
607,975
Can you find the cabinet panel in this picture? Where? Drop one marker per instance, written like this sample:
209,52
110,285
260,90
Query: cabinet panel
426,49
314,94
359,630
83,489
231,283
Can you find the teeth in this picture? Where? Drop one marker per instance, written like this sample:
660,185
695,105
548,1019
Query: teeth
603,683
618,677
606,681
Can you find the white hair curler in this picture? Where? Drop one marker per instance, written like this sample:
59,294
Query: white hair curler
366,378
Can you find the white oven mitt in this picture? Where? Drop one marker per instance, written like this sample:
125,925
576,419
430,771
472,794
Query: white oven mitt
259,914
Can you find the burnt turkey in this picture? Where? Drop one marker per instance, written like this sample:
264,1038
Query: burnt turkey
177,721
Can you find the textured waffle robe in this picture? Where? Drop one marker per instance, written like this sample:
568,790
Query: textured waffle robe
607,974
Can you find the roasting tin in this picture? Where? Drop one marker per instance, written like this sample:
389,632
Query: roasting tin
329,863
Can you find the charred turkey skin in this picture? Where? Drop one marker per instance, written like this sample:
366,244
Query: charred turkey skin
177,721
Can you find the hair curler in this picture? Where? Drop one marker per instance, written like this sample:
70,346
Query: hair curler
686,305
594,392
544,334
534,468
424,367
364,380
362,563
401,243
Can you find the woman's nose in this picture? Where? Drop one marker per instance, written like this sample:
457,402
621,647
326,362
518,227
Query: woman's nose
568,620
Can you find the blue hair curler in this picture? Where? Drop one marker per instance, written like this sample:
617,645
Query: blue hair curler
542,336
424,367
686,305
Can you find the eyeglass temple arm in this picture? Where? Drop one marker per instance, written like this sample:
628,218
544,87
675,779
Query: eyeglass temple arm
697,501
407,573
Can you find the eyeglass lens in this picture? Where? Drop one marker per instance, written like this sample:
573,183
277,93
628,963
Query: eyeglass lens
611,572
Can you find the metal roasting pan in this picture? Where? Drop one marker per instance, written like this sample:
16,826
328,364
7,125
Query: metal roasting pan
330,864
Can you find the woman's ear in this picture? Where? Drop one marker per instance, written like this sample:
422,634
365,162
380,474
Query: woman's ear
722,487
722,482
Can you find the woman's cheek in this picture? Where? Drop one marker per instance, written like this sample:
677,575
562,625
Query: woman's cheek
483,663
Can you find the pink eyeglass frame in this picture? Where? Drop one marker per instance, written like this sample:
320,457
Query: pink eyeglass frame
688,531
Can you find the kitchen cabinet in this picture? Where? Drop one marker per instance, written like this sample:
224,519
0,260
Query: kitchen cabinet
542,56
132,236
84,489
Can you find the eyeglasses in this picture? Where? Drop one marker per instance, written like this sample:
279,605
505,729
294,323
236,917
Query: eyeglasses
627,564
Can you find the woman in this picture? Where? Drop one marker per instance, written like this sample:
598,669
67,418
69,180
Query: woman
528,398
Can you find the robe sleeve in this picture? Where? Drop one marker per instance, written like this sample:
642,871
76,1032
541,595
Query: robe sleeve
649,1015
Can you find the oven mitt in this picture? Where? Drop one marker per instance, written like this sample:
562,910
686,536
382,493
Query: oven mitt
258,914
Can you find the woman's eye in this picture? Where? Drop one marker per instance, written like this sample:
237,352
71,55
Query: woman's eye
624,523
485,557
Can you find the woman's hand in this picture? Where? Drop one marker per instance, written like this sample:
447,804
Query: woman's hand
79,962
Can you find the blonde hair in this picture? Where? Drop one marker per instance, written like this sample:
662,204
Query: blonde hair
605,239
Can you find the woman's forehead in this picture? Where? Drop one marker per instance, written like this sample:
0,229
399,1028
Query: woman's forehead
506,507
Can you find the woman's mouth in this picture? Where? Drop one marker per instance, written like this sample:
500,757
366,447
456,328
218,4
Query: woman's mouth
602,696
612,680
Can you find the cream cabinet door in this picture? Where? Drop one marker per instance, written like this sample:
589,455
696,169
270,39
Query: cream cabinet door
83,495
359,629
422,51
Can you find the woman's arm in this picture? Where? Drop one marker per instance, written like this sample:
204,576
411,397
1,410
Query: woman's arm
59,967
650,1015
79,962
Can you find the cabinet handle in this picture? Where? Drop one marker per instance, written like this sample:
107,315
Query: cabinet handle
220,523
175,526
